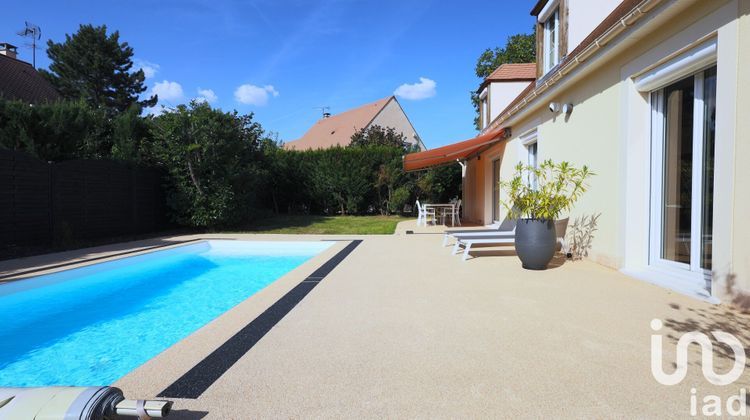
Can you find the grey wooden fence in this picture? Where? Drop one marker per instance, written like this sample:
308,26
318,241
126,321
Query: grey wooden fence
42,203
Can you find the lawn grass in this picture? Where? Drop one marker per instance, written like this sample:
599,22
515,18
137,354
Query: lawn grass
328,225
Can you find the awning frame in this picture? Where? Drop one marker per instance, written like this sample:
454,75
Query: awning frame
460,151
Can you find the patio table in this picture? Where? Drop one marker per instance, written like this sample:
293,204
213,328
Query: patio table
440,208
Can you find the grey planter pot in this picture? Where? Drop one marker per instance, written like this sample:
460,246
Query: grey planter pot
535,243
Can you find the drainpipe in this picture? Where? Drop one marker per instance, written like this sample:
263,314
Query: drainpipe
463,185
463,168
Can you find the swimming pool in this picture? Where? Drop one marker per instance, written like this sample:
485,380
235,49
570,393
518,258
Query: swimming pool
94,324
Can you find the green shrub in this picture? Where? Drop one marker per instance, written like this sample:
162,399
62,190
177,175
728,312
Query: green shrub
214,164
544,192
71,130
399,199
363,179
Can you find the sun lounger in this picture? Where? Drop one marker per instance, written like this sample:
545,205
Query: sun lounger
465,241
468,242
507,226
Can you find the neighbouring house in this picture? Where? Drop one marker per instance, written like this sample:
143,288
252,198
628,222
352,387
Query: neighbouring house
20,81
654,96
337,130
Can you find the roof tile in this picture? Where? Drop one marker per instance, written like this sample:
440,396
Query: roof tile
20,81
338,129
515,71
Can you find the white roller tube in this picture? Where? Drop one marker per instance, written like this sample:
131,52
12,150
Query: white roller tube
153,408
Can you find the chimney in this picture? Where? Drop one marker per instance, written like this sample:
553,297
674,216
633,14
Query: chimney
8,50
326,115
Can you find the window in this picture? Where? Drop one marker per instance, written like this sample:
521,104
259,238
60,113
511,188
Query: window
529,152
551,42
683,124
484,110
496,190
532,161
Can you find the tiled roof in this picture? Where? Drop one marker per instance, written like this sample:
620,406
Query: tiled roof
338,129
20,81
518,71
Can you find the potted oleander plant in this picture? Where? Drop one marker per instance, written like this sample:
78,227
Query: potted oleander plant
536,197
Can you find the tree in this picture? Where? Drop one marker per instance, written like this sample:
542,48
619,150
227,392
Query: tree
440,184
391,177
65,130
214,164
520,48
376,135
287,177
342,178
97,68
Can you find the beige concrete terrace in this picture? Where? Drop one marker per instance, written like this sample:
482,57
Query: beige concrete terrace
403,329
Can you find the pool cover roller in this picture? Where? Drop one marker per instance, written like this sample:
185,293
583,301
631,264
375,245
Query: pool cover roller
79,403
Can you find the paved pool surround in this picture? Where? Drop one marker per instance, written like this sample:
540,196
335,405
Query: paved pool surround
400,328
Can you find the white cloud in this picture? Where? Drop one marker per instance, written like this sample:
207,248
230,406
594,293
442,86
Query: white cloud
168,91
156,110
149,69
423,89
206,95
254,95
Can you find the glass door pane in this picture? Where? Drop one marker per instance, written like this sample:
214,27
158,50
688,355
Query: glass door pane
677,171
532,162
709,132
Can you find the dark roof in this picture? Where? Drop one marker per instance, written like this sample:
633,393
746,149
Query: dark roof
20,81
538,7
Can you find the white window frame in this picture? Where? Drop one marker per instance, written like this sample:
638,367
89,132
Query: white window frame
682,65
551,40
691,272
484,107
529,139
496,190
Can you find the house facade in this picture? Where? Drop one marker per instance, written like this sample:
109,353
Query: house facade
653,96
337,130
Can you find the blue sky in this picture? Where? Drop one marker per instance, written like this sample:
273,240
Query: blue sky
280,59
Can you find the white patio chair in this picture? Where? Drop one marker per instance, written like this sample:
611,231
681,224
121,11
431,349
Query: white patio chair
454,213
423,213
561,226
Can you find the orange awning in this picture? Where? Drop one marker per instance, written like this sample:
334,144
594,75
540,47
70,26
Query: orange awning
452,152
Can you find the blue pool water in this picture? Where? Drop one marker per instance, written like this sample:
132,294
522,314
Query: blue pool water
92,325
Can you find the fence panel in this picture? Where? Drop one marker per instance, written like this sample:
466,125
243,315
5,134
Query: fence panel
42,203
25,196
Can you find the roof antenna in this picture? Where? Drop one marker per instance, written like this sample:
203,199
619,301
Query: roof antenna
35,33
326,110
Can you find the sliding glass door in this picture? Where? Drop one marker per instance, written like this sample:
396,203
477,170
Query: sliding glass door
682,173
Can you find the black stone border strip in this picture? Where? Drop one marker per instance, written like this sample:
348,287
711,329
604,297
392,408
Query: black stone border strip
87,260
201,376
